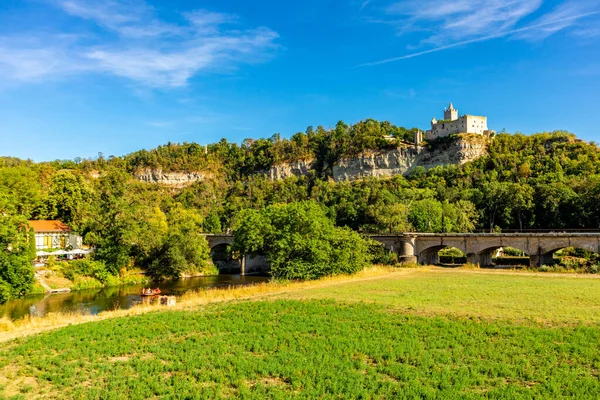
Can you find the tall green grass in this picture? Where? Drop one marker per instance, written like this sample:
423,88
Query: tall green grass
303,349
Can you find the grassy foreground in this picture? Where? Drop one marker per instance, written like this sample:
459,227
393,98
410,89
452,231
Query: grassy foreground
416,334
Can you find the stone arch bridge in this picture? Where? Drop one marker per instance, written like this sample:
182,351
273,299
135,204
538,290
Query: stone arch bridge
479,247
218,244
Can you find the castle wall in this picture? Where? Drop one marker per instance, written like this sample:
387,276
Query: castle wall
464,124
476,124
445,128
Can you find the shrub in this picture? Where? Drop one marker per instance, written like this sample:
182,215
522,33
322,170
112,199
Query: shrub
180,254
212,223
112,280
552,268
381,255
5,292
88,268
209,269
443,259
512,252
512,261
86,282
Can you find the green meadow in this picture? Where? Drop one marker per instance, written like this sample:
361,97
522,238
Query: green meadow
426,334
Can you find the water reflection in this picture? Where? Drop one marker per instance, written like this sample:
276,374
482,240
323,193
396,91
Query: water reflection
96,301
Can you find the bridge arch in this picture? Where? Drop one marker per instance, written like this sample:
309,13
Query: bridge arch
546,248
485,255
427,248
221,258
431,256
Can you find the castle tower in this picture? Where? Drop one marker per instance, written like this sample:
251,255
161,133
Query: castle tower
418,137
450,113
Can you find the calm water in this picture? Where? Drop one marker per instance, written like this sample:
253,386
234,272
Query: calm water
96,301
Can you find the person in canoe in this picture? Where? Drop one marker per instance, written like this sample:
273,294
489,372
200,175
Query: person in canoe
150,292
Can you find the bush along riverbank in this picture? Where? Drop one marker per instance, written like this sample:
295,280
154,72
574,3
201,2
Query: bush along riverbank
89,274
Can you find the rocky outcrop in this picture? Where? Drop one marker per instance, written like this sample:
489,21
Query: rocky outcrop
377,164
287,170
173,179
458,153
402,160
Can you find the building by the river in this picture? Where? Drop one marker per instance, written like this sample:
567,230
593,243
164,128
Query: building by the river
54,235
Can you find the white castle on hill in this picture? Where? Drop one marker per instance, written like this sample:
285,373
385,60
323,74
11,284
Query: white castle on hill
452,124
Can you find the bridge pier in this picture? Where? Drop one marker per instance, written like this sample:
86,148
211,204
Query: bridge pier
406,249
536,261
482,259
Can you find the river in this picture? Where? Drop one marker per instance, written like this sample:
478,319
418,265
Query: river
98,300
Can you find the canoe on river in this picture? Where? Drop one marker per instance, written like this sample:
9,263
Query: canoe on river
151,292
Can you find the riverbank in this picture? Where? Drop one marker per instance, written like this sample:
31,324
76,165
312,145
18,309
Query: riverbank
386,333
54,281
32,325
530,300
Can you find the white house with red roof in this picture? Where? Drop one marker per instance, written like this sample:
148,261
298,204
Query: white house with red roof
54,235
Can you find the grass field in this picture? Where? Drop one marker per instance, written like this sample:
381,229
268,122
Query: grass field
422,334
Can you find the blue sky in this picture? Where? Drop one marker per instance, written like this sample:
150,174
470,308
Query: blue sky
78,77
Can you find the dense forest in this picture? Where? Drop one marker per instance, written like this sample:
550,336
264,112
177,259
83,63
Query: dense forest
541,181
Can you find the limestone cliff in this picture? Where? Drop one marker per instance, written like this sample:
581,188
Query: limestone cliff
377,164
287,170
173,179
403,159
398,161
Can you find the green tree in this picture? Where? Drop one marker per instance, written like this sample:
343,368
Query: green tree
521,200
426,215
394,217
23,185
68,199
466,216
212,223
495,199
184,250
109,230
17,251
300,241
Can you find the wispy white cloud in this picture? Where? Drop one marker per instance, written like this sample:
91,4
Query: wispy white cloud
159,124
480,39
132,18
449,24
564,16
137,45
174,67
587,33
29,58
460,19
